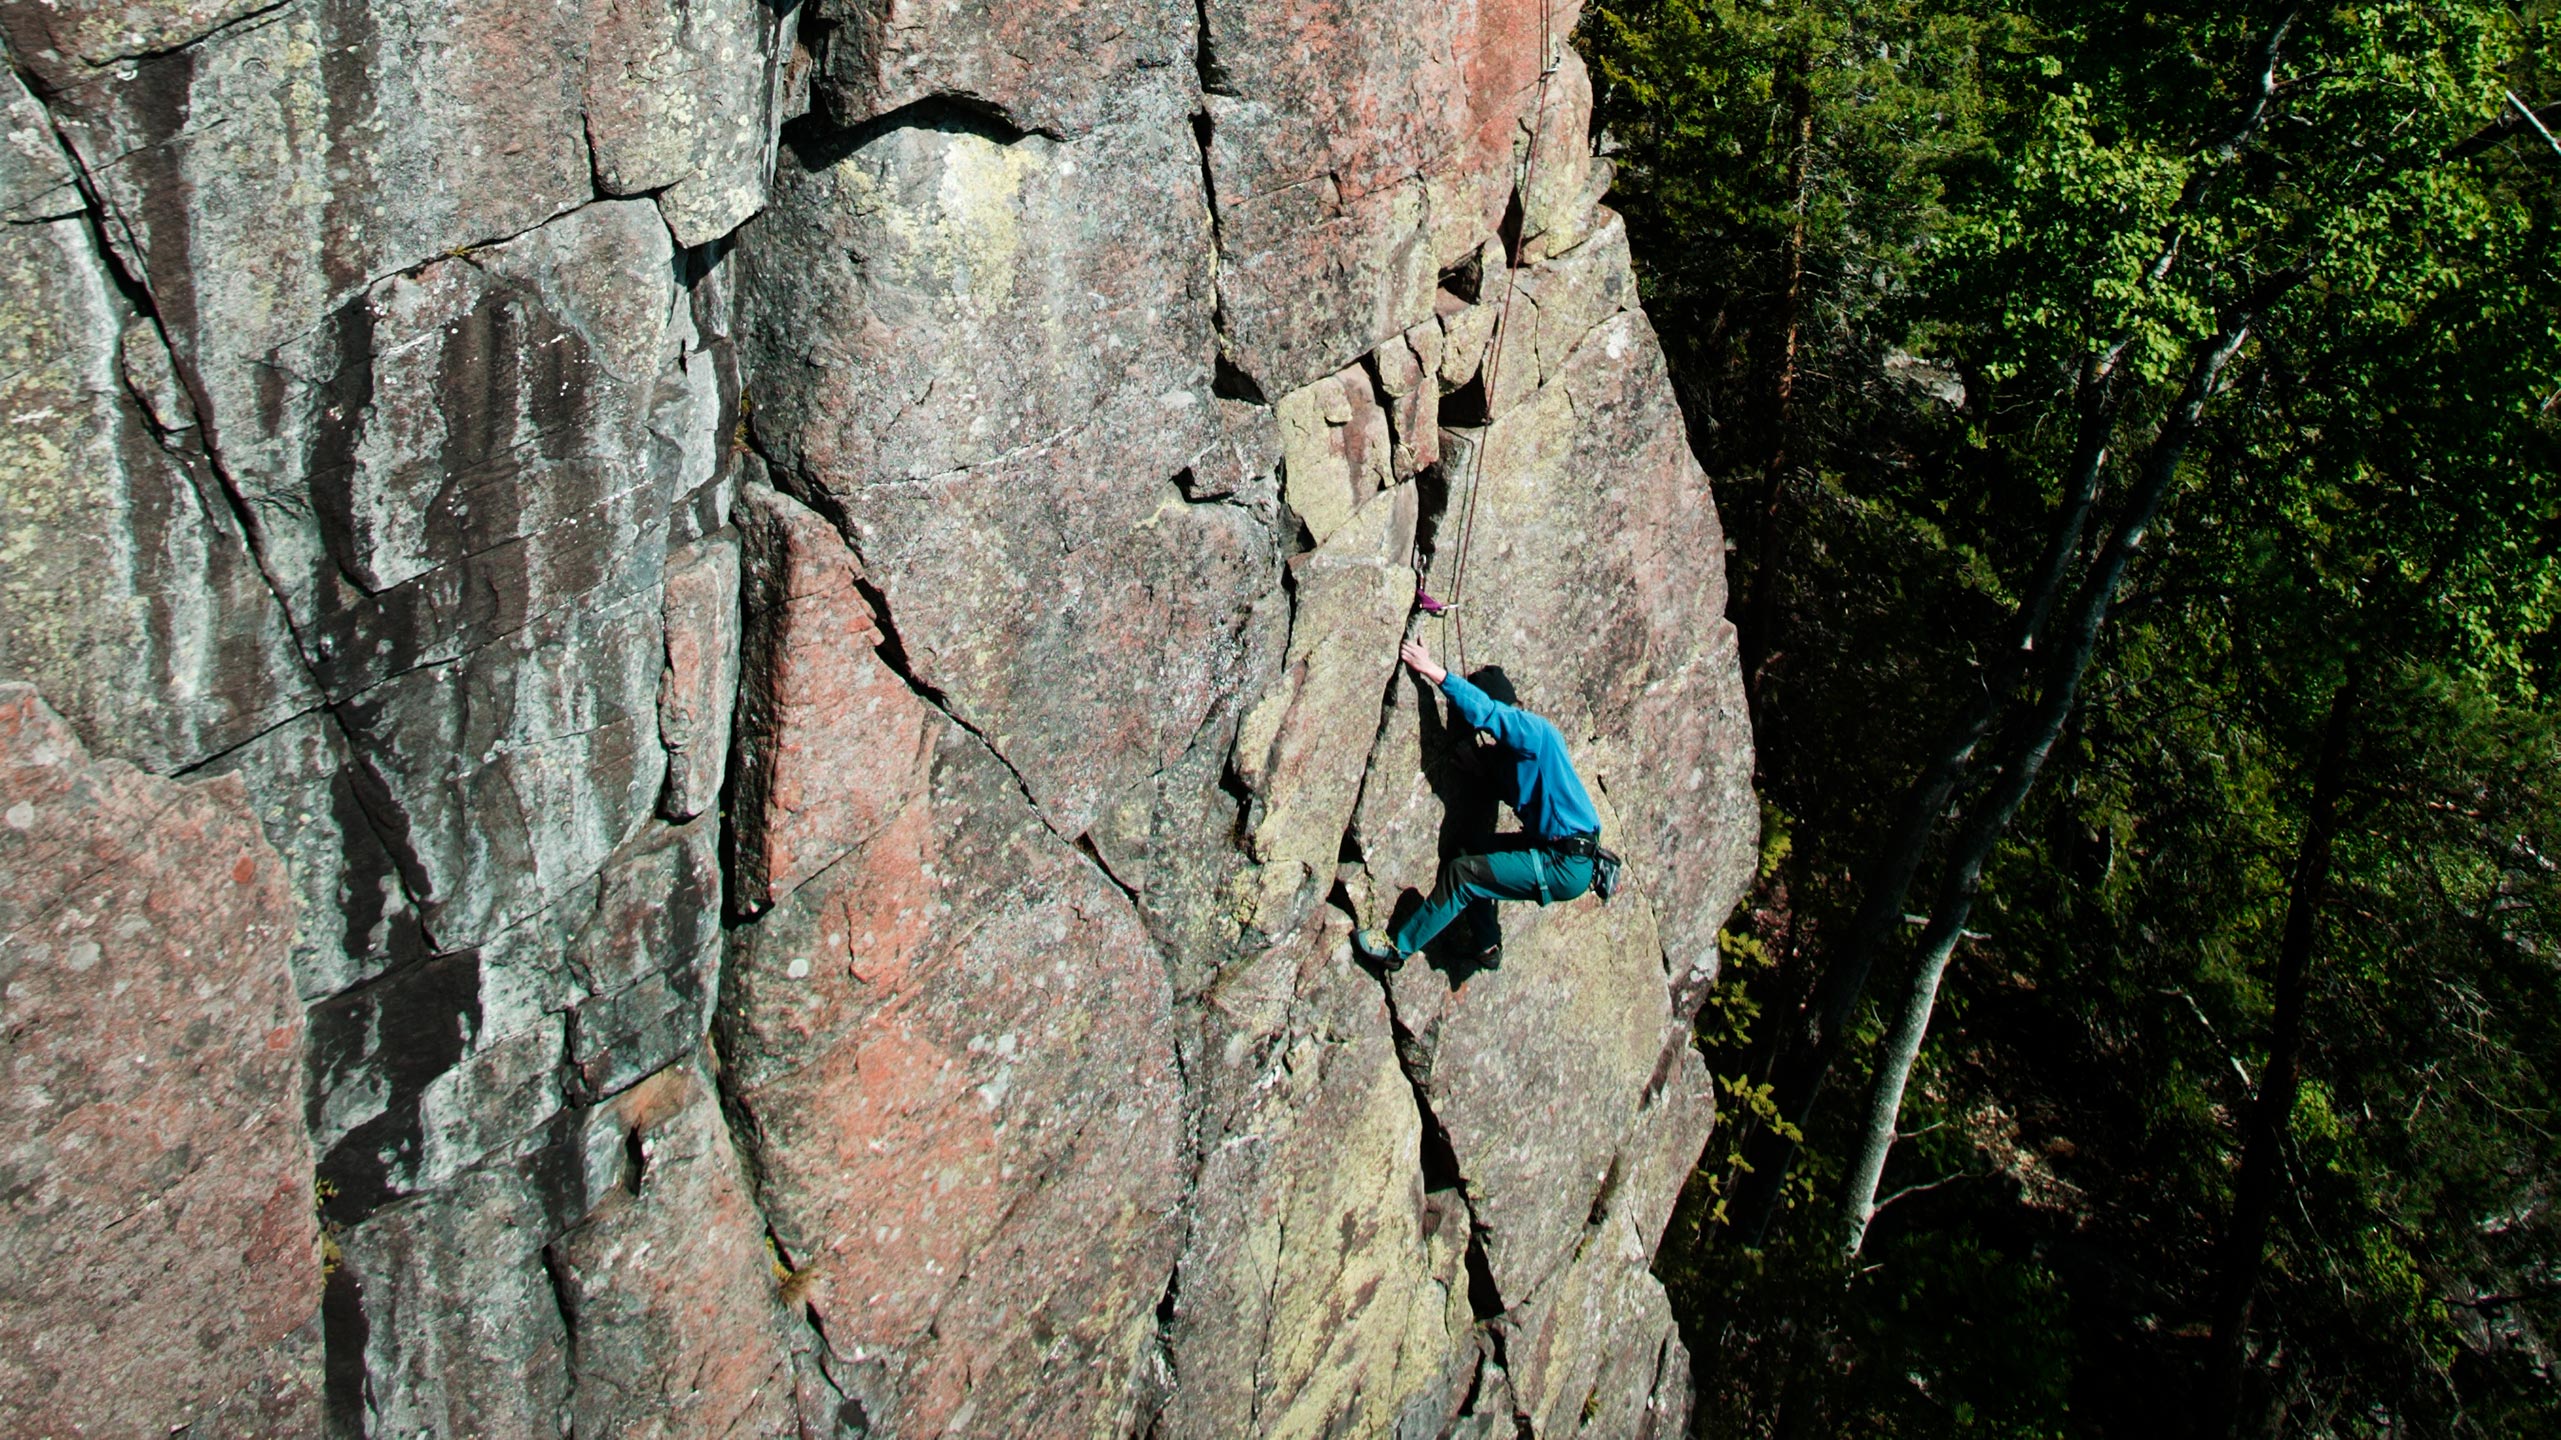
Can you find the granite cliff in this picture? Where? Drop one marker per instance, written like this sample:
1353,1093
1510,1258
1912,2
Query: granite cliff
695,696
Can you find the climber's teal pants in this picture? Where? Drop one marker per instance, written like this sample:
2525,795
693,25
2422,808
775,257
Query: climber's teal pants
1499,875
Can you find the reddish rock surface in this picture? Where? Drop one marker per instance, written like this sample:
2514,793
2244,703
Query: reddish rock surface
832,742
1356,154
956,1049
159,1237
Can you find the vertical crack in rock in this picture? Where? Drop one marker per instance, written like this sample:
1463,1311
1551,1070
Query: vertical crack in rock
893,653
345,1331
1158,1378
738,1117
1441,1175
387,832
1438,1158
1227,382
806,1190
564,1299
1214,79
1263,1341
891,649
137,293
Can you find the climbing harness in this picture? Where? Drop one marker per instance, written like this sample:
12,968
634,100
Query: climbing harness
1493,365
1605,863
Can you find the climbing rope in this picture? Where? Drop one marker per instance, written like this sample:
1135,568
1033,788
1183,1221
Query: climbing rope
1493,363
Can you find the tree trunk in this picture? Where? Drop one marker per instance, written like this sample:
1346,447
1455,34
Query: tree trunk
1993,812
1801,1067
1763,609
1798,1074
2262,1159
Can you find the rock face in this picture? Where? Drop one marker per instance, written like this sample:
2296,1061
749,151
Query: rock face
726,690
160,1241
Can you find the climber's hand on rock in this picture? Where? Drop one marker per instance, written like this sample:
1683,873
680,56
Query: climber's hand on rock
1421,659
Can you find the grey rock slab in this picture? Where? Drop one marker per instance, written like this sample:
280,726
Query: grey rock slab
1661,1148
1171,839
988,357
1058,68
699,687
127,590
648,955
509,775
1466,331
695,440
1533,316
1409,370
1302,748
1295,307
37,180
1334,450
468,522
1319,1289
1596,1352
461,1333
493,1102
681,99
425,1073
474,446
622,1034
1557,192
1699,840
266,176
358,917
961,292
1243,461
1537,1066
451,466
1573,294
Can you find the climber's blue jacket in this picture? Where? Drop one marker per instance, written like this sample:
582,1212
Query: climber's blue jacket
1546,793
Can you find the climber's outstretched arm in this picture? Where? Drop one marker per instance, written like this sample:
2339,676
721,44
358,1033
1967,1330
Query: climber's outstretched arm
1510,725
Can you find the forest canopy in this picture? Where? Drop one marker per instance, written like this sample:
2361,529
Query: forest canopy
2139,435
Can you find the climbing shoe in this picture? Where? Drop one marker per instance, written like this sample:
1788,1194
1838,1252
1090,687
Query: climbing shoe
1374,946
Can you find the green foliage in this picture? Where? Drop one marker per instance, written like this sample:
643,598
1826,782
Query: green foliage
2002,196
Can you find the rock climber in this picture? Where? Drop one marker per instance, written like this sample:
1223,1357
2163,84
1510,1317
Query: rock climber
1562,829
